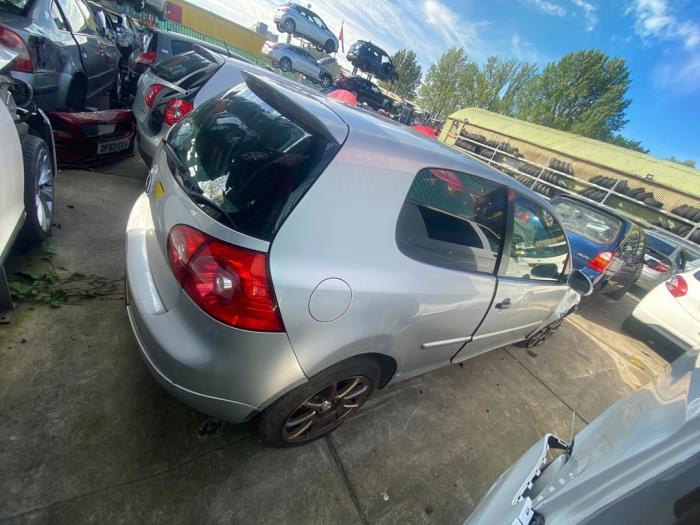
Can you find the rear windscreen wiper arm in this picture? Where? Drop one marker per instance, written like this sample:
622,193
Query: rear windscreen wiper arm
190,187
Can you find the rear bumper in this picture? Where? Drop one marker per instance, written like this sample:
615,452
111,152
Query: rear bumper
221,371
665,316
648,280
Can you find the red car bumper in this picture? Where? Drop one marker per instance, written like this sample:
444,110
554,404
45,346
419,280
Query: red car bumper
90,138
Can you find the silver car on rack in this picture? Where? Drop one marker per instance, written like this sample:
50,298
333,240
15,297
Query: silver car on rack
291,254
293,58
302,22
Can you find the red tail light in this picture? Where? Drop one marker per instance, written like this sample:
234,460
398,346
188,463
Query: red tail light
602,261
229,283
677,286
152,93
175,110
146,59
12,40
659,266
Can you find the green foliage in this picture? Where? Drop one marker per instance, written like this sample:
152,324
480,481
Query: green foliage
584,93
635,145
455,81
56,287
410,73
689,162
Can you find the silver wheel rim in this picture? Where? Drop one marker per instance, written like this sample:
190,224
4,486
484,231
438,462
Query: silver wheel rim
289,25
43,192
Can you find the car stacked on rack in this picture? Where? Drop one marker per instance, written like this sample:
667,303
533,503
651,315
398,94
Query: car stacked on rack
293,58
303,23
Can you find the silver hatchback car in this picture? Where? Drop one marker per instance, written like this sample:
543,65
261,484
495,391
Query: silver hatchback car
302,22
291,254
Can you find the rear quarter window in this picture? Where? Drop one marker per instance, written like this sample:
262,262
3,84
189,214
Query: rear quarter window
176,68
249,159
453,220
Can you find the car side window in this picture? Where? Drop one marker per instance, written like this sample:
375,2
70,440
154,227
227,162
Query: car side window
453,220
539,250
58,18
73,15
90,22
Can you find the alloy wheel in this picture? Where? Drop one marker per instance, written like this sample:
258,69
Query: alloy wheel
326,409
44,192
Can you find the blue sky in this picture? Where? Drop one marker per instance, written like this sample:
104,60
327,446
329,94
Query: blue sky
659,39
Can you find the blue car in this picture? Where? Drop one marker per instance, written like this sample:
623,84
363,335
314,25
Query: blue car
605,246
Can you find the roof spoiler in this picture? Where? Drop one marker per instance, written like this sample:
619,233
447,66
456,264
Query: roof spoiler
288,107
209,54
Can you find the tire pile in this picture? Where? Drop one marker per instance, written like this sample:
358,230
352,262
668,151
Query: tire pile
690,213
639,194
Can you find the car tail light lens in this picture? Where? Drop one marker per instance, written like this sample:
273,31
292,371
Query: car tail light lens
175,110
229,283
152,93
677,286
601,262
659,266
12,40
146,58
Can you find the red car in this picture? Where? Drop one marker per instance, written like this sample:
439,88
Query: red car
90,138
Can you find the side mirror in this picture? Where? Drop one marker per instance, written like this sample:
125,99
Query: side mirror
579,282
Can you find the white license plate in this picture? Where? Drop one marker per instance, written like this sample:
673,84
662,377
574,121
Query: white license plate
112,147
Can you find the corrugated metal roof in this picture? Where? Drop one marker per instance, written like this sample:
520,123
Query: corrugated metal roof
670,174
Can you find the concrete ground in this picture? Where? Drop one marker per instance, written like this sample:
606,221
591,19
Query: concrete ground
87,435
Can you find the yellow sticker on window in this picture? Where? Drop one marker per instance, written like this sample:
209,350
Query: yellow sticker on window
159,190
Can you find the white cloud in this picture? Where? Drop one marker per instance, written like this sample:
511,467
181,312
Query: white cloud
546,7
589,13
681,78
654,19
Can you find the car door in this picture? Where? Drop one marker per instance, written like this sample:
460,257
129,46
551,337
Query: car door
377,95
532,277
307,64
448,225
305,26
630,253
84,30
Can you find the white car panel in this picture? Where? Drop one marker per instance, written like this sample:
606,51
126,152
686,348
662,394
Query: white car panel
11,180
668,315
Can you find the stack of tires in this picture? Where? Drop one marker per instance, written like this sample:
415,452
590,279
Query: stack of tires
556,177
468,144
691,214
639,194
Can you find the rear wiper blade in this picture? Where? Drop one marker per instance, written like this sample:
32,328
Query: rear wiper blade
191,188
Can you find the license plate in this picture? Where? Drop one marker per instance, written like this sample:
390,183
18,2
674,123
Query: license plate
112,147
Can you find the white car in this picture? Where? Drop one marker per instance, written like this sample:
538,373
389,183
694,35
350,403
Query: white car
304,23
27,174
292,58
673,309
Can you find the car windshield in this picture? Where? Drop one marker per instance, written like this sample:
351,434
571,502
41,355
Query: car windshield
659,245
251,161
16,7
587,222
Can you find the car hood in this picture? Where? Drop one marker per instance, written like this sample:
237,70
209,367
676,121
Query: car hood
637,438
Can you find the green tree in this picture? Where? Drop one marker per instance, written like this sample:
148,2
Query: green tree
619,140
410,73
689,162
497,84
444,84
584,93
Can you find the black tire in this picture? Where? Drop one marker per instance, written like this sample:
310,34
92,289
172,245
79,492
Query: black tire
77,93
272,423
696,216
695,237
39,177
289,26
326,80
329,47
285,64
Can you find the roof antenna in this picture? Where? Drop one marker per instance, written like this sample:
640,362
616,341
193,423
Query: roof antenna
221,35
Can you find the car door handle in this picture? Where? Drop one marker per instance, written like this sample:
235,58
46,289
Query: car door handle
504,304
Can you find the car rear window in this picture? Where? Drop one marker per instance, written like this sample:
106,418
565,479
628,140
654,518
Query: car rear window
588,222
248,159
177,68
659,245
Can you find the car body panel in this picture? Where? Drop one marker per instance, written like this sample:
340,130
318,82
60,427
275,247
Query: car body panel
11,182
675,318
631,464
372,59
91,138
63,54
301,60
